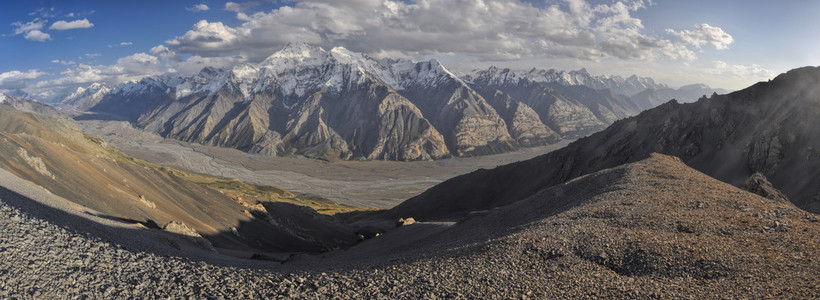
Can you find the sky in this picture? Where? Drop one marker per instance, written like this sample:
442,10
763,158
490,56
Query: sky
48,47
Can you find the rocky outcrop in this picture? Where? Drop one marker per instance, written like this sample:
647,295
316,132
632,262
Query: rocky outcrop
758,184
405,222
189,234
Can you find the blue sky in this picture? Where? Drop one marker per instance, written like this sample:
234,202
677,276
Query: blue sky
52,46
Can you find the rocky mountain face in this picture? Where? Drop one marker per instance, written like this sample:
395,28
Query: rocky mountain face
25,105
85,97
325,104
563,101
337,104
770,127
624,86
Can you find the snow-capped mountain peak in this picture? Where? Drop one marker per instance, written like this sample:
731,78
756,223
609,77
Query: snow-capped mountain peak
84,97
498,76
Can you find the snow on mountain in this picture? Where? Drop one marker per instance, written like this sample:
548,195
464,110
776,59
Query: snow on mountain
295,70
338,103
502,76
85,97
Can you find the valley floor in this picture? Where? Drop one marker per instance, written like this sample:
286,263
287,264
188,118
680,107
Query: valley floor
371,184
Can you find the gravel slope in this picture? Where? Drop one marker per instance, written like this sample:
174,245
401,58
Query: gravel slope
651,229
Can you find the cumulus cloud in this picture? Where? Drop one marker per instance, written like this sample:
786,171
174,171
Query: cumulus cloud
209,38
31,30
17,79
37,35
63,62
165,53
76,24
486,29
199,7
239,7
43,12
139,63
29,26
705,34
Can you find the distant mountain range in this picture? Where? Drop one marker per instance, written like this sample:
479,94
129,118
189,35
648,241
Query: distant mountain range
338,104
770,128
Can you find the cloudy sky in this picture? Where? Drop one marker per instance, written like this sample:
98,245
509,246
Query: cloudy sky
48,46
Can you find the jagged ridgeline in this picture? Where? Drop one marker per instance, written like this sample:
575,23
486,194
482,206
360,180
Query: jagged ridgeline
338,104
50,153
770,128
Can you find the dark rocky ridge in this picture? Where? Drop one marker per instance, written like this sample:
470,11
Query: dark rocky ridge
770,127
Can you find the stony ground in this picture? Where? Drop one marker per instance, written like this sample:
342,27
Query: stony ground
654,229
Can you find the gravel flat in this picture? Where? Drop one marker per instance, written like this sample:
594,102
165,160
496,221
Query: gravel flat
373,184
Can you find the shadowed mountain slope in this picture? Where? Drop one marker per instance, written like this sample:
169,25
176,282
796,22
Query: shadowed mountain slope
770,127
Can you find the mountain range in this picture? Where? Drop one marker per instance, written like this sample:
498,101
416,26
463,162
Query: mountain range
339,104
769,128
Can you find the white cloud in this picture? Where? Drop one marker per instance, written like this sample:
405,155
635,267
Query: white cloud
26,27
752,72
139,63
208,38
165,53
37,35
126,43
486,29
76,24
198,7
63,62
43,12
239,7
16,79
705,34
92,55
195,63
132,67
